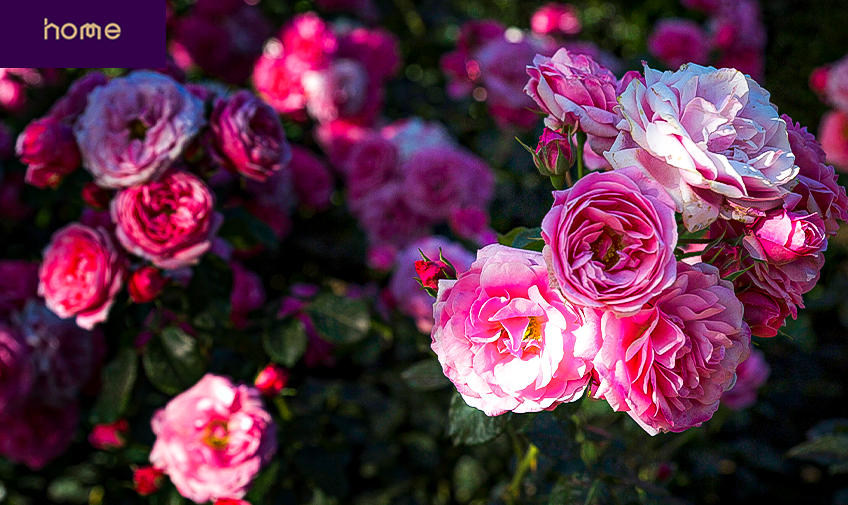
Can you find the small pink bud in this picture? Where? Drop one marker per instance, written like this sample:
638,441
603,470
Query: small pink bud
818,79
96,197
147,480
109,436
554,154
431,271
145,284
272,379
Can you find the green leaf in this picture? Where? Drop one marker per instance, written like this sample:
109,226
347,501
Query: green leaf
827,450
338,319
263,483
244,230
469,426
426,375
173,362
118,379
523,238
285,342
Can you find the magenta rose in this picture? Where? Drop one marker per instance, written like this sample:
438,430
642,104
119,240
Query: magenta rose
109,436
677,41
213,438
50,151
611,240
710,137
171,221
135,127
751,374
387,219
15,369
35,434
668,365
312,179
247,136
575,91
555,18
372,162
278,82
81,273
145,284
783,236
507,340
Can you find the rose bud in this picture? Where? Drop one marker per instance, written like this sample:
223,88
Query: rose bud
554,154
147,480
430,272
96,197
145,284
48,147
271,380
109,436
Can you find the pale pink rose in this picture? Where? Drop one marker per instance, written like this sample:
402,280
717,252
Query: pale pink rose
833,134
339,91
611,240
817,185
64,358
213,438
248,137
837,85
555,18
16,375
668,365
710,137
20,283
782,236
135,127
81,273
35,434
676,41
278,82
248,294
408,295
751,374
506,339
170,222
575,91
313,182
48,148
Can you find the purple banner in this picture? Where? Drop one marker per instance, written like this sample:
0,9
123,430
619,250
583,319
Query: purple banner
82,33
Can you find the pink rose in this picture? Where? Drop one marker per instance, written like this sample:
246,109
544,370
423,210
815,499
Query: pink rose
764,313
248,294
271,380
338,91
611,240
407,293
16,375
213,438
575,91
376,48
309,37
555,18
145,284
817,183
783,236
837,85
170,222
372,162
677,41
35,434
751,374
49,149
387,218
247,136
507,340
709,145
109,436
312,179
668,365
278,82
472,223
81,274
833,133
135,127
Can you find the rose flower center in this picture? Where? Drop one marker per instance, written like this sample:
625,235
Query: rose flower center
216,434
137,130
605,248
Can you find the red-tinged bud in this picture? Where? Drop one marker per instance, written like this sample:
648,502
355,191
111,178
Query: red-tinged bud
96,197
109,436
230,501
145,284
271,380
147,480
554,154
429,272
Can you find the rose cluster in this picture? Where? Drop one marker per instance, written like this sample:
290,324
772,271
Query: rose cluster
698,157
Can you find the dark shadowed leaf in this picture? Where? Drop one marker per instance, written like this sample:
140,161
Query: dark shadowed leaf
339,319
118,381
469,426
426,375
173,362
285,342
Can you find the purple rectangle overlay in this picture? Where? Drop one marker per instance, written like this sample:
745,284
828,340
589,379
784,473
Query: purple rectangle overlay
131,33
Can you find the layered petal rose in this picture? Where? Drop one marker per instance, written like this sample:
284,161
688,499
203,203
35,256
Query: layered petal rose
247,136
81,273
668,365
49,149
507,340
171,221
575,91
135,127
783,236
611,240
213,439
709,137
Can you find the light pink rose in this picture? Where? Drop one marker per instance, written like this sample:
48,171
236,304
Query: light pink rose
247,136
611,240
833,133
171,221
677,41
248,294
338,91
278,82
81,273
555,18
710,137
668,365
35,434
783,236
751,374
213,438
507,340
575,91
408,295
135,127
817,183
